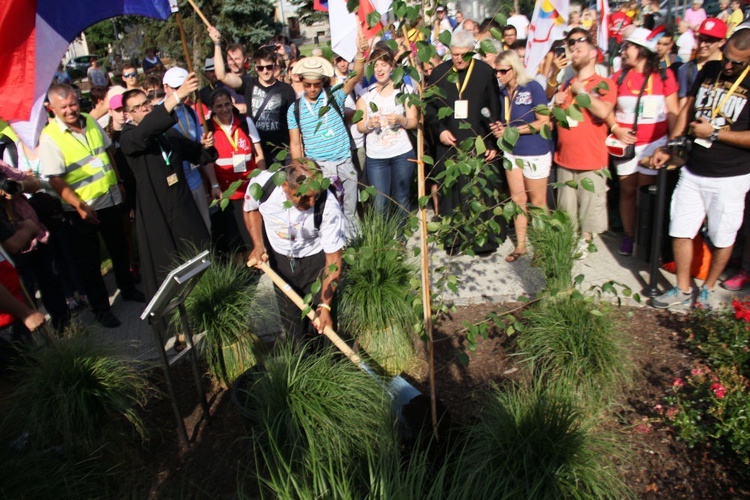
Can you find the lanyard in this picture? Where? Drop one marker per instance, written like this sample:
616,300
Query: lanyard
227,132
189,133
728,94
466,80
166,156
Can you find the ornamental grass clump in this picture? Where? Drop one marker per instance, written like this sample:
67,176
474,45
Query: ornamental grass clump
220,305
378,303
574,339
314,420
553,239
532,441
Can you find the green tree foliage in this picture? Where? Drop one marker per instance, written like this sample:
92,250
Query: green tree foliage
306,13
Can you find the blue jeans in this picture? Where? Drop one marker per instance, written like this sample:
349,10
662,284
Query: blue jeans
391,177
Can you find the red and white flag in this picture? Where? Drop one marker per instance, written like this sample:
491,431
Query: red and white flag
344,24
35,36
602,33
547,25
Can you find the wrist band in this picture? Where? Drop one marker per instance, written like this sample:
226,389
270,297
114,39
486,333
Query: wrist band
217,44
325,306
360,59
614,127
215,186
177,98
551,84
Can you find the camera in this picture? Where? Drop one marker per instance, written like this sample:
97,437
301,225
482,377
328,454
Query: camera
9,186
680,146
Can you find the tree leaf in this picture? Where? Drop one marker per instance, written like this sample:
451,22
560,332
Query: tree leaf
373,18
256,191
575,113
358,115
445,38
487,46
560,116
511,136
583,100
588,184
546,132
479,144
444,112
496,33
542,109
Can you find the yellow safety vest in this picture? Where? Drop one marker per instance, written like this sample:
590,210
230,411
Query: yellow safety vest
86,179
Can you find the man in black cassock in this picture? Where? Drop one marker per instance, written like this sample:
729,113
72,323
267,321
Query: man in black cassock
167,219
476,88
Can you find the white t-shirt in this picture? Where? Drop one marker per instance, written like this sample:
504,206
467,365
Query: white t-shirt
521,23
685,45
385,142
292,232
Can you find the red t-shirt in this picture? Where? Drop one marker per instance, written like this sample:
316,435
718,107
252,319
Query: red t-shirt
240,144
617,22
9,279
652,118
581,147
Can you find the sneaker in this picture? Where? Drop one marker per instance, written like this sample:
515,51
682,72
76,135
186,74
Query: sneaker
107,319
706,299
738,281
672,297
626,246
582,249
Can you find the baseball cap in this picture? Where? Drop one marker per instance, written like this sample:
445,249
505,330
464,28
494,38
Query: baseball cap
642,37
209,65
115,102
313,67
713,27
174,77
440,8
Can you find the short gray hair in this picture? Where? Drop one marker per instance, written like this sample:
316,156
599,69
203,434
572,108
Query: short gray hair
463,39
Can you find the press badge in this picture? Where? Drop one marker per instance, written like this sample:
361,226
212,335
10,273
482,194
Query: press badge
461,109
238,162
649,109
172,180
97,163
703,142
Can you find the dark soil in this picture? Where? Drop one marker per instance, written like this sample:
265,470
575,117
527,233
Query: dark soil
659,466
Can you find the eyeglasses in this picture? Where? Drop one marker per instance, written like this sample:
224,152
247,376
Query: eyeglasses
502,71
708,40
267,67
129,75
142,106
573,41
317,85
735,64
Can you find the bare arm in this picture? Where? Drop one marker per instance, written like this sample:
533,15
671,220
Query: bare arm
681,122
254,225
21,238
11,305
295,143
359,63
331,275
673,110
227,78
70,197
260,158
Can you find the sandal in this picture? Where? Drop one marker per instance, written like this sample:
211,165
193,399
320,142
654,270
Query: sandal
514,256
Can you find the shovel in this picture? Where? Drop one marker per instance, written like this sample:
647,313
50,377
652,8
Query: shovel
407,402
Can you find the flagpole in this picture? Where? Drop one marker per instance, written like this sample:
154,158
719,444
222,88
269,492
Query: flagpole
189,63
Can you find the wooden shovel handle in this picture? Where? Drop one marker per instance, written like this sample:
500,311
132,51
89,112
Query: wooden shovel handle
200,14
294,297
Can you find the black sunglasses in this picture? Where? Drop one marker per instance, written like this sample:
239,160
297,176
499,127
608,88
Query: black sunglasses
129,75
267,67
708,40
735,64
502,71
573,41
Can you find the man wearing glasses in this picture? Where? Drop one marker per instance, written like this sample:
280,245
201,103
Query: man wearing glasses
714,181
130,76
710,40
168,222
267,98
75,154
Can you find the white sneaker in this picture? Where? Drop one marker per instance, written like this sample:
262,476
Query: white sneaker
581,250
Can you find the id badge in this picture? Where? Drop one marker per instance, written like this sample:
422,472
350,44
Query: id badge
97,163
238,162
649,109
172,180
461,109
703,142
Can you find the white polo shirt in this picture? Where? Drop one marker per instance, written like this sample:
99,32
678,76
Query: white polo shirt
292,232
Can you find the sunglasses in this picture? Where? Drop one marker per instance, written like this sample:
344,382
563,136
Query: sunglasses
735,64
129,75
573,41
142,106
503,71
267,67
708,40
317,85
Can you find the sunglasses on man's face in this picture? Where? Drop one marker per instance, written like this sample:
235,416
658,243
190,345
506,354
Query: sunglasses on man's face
573,41
129,75
316,85
267,67
735,64
708,40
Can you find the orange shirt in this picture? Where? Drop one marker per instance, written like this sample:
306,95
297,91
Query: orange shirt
581,147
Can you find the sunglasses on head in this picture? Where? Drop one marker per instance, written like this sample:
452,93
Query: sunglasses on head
267,67
502,71
317,85
573,41
129,75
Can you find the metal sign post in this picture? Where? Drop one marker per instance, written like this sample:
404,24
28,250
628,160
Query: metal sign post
171,295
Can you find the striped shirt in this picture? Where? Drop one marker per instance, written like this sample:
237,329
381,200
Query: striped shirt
324,138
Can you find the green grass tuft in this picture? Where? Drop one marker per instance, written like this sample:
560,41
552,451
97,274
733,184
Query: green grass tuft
553,239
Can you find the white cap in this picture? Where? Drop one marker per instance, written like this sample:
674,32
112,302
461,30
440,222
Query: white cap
209,66
642,37
174,77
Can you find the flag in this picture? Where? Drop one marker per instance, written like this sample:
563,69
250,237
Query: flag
320,5
344,24
547,25
35,36
602,33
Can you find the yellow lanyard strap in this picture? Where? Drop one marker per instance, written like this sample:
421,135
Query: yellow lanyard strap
466,80
232,142
729,94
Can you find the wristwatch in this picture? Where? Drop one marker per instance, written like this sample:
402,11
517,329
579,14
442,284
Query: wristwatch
714,135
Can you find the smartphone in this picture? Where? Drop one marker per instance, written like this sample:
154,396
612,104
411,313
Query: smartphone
559,51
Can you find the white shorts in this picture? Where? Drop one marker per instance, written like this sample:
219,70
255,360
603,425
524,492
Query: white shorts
534,167
628,167
722,199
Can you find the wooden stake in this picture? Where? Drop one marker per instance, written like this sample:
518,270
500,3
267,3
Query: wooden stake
200,14
189,63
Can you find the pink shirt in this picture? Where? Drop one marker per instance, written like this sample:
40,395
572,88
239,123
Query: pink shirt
694,18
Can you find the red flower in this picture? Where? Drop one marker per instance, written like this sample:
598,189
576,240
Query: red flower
741,309
718,390
678,383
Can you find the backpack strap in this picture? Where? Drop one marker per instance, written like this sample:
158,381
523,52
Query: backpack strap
268,188
319,206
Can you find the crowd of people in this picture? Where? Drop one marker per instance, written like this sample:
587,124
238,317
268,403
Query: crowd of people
155,151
